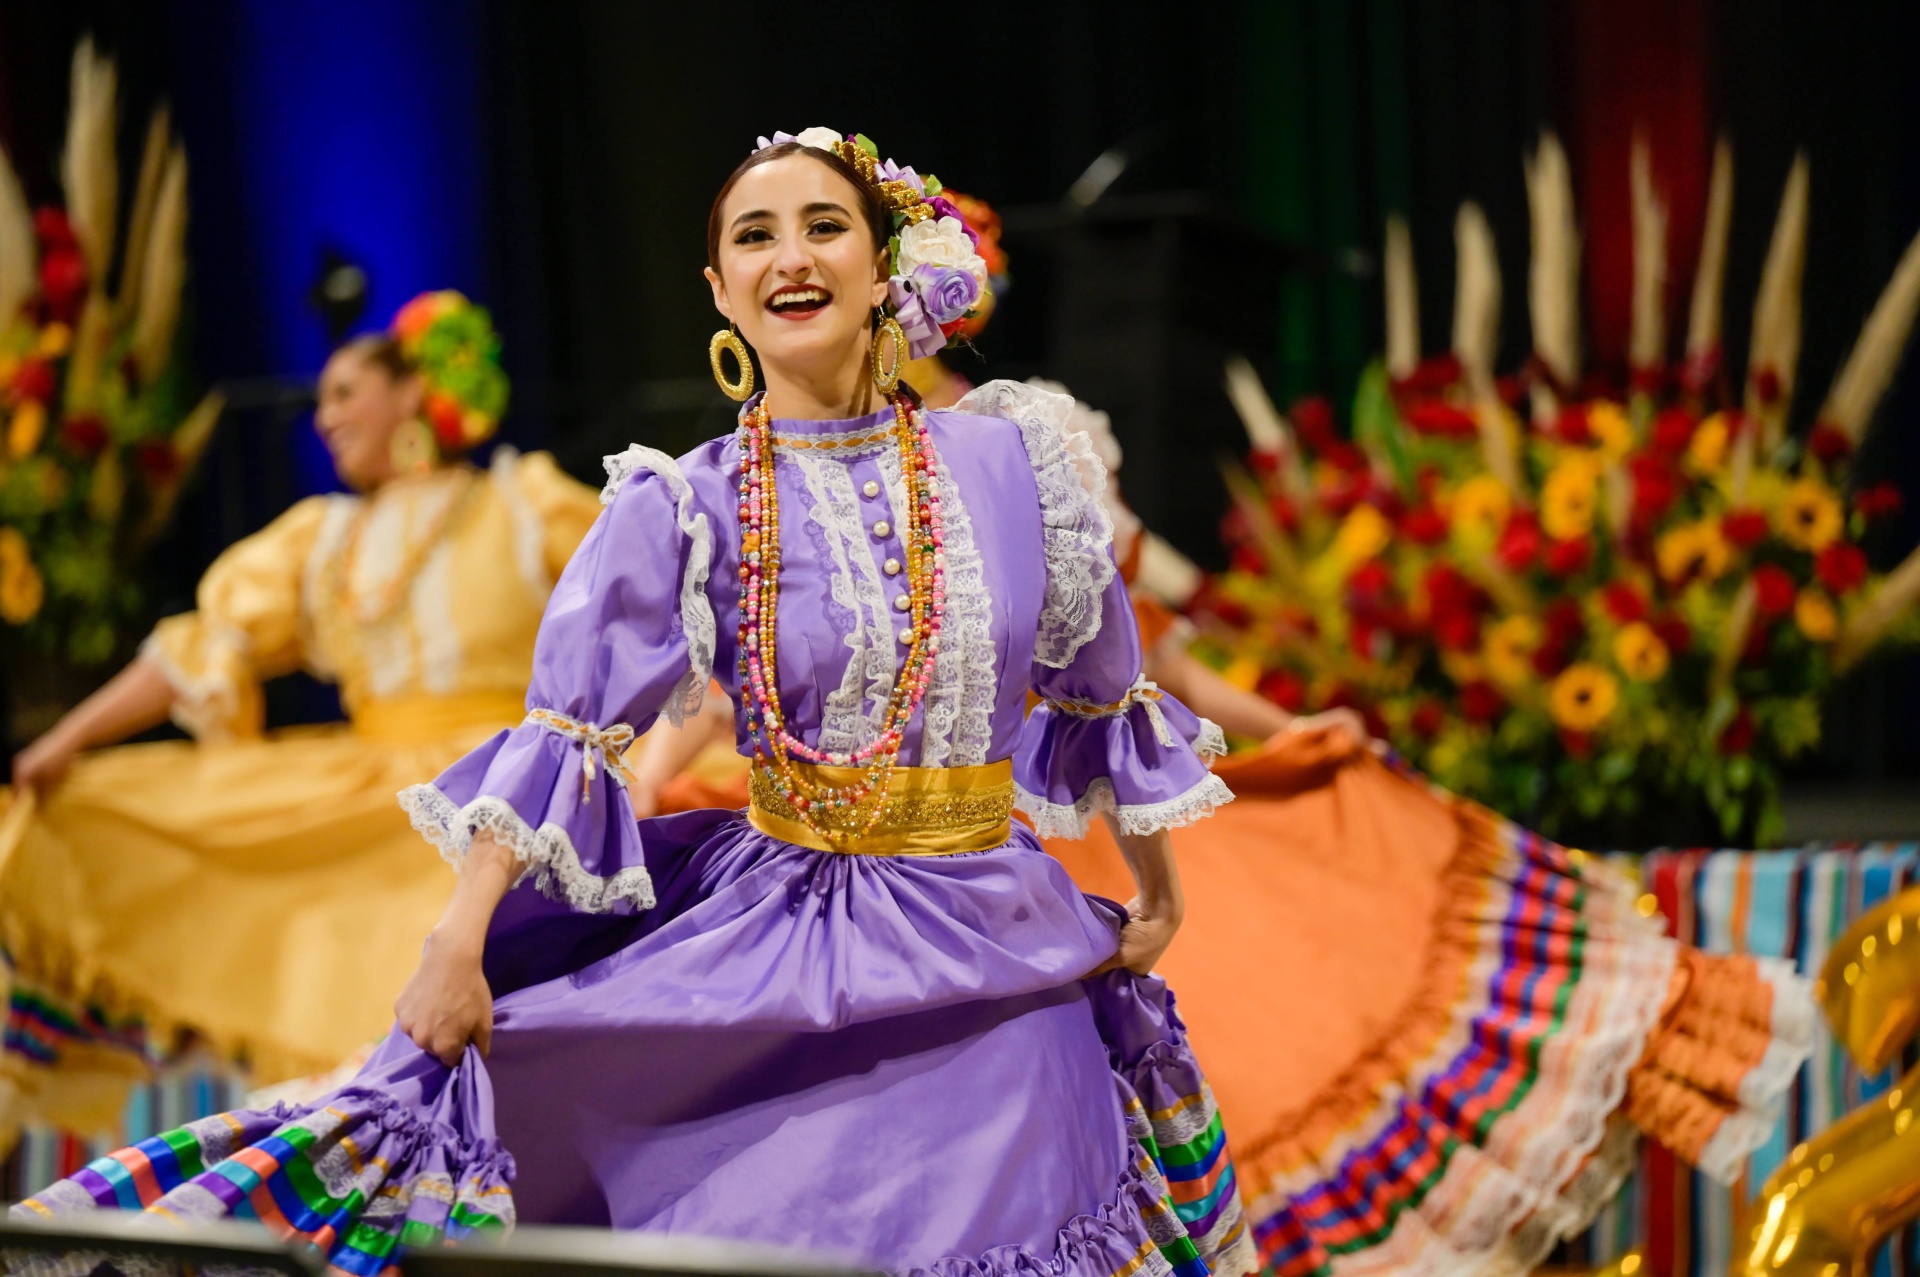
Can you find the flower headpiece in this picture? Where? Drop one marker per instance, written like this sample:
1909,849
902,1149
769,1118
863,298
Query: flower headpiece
452,343
939,279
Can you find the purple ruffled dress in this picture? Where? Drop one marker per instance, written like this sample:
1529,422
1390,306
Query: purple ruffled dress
702,1029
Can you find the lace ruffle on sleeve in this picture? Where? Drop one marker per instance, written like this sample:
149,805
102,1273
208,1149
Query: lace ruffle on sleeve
628,636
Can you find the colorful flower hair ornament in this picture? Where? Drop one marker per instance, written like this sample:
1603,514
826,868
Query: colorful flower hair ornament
939,279
453,344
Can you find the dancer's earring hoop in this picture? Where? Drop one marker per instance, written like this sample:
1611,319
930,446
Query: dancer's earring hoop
724,340
414,449
886,375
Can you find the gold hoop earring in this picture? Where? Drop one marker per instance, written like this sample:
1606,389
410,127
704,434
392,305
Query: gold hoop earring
724,340
889,333
414,450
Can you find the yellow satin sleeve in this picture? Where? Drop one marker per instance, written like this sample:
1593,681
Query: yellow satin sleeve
566,507
245,629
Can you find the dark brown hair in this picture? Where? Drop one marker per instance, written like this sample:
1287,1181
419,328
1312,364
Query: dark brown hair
382,350
879,223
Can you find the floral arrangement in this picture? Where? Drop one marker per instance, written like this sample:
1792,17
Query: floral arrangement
940,281
453,344
1595,616
98,433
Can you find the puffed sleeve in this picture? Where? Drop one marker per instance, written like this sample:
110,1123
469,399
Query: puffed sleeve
244,629
628,636
1103,739
563,506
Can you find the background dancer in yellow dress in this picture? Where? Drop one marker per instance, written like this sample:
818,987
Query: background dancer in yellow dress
218,889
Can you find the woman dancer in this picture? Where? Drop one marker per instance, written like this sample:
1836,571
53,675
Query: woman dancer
1433,1037
863,1014
264,895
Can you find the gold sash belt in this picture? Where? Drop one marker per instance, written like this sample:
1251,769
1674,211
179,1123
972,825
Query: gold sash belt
930,811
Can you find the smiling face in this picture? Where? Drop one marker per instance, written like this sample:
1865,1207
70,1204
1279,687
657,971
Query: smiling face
362,404
798,269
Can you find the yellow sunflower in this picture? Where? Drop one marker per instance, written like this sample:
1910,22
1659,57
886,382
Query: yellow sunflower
1583,697
1640,653
21,588
1463,667
55,340
1707,450
1480,506
1813,613
1690,549
1363,534
1509,647
25,429
1611,428
1569,498
1809,516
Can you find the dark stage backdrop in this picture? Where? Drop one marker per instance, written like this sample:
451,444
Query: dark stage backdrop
556,159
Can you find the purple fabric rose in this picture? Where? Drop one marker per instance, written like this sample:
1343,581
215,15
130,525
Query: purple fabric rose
923,334
948,292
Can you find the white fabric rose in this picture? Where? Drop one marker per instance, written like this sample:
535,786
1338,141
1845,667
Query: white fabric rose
819,139
940,241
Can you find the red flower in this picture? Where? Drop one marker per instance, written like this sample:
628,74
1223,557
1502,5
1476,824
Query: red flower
1371,579
1577,744
1773,590
1829,443
1449,590
1699,371
1572,427
1738,736
1342,497
34,380
1247,558
1313,418
1519,541
1766,384
1457,630
63,279
51,227
157,461
1674,633
1265,460
443,414
1285,689
1511,389
1648,380
1564,558
1437,417
1344,697
1424,525
1744,528
1233,526
1343,456
1673,431
84,437
1427,719
1624,603
1480,703
1654,487
1431,376
1841,567
1878,501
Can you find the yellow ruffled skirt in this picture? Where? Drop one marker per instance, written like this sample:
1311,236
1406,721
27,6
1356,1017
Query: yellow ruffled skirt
266,899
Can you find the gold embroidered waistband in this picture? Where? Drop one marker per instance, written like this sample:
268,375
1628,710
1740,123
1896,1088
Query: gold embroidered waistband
930,811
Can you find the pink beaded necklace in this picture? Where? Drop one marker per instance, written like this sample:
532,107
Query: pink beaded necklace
774,747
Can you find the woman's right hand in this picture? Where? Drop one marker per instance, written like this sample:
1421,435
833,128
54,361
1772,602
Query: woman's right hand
447,1003
45,763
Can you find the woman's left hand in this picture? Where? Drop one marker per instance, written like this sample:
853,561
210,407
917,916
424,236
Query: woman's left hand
1146,935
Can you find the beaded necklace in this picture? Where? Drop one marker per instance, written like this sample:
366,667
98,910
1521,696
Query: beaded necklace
859,804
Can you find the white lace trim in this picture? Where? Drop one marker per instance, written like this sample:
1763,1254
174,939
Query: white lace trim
843,443
547,852
1077,535
206,708
696,610
957,713
1211,743
1763,1089
850,714
1061,820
